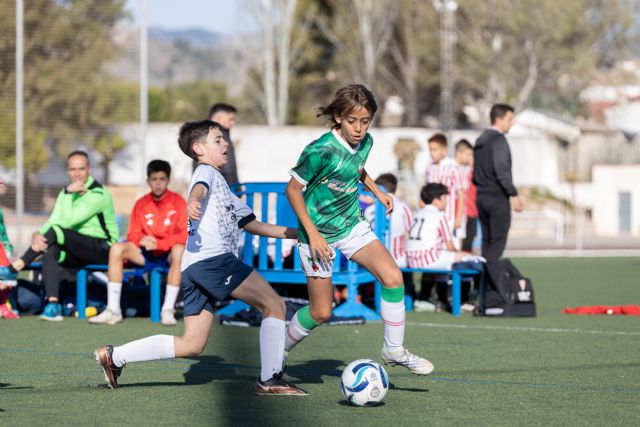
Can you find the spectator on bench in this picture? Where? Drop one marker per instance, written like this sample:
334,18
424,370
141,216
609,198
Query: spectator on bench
79,232
430,243
157,234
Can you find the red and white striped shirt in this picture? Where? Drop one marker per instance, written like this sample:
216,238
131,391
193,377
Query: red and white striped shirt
428,237
447,173
400,221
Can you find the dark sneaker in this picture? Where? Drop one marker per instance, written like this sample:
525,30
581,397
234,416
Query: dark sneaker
278,386
111,371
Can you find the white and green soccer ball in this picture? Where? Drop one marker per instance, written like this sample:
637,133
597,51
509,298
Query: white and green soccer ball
364,383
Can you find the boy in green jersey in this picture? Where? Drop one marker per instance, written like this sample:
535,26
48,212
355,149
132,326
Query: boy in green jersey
330,218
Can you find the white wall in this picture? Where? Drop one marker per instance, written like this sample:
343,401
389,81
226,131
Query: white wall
266,154
608,181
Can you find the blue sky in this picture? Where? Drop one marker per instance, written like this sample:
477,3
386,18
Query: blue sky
219,16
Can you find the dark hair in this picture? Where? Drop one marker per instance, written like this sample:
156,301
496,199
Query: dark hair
432,191
220,106
192,132
463,144
78,153
498,111
158,166
439,138
346,100
389,181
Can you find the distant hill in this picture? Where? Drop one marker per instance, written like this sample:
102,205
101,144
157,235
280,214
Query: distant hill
186,55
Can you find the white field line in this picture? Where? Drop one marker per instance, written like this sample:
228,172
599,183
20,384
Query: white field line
523,329
572,253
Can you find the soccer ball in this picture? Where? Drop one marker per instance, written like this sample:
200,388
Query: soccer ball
364,383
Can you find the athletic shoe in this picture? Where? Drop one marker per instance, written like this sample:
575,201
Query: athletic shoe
415,364
107,316
278,386
104,359
167,318
52,312
6,274
467,307
420,306
7,313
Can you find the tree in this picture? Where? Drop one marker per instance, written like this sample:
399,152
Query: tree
66,46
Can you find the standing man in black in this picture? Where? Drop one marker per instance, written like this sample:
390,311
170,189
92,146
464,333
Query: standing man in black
225,114
492,177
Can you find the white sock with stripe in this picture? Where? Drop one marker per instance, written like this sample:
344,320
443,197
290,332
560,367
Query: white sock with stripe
296,330
393,316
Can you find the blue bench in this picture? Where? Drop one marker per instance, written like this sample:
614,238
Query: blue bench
269,203
456,283
155,282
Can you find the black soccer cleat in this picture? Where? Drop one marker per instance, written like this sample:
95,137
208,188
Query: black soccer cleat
111,372
278,386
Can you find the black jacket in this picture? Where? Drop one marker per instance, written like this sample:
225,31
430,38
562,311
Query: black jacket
492,164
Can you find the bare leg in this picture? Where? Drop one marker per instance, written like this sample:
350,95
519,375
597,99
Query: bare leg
118,253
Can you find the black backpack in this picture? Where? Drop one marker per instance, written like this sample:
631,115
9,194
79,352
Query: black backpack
513,294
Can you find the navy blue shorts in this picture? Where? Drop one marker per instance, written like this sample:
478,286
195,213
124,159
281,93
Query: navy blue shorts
211,279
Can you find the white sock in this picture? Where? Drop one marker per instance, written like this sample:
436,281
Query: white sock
393,317
271,347
156,347
295,333
114,290
170,296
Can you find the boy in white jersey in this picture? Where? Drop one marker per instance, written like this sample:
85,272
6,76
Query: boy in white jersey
211,270
330,218
444,170
430,242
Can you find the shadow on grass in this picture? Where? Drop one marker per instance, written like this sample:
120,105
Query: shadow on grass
343,402
392,386
7,386
312,371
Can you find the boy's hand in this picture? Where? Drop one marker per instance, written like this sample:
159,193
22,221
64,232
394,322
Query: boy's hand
38,242
320,249
387,201
193,209
149,243
518,206
76,187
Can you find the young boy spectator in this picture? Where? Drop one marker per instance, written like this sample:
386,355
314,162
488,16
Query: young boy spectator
463,157
430,243
6,248
157,235
400,220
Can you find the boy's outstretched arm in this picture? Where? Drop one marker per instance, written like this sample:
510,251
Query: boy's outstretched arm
384,198
198,192
271,230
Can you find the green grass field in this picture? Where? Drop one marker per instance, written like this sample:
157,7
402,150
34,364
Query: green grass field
554,369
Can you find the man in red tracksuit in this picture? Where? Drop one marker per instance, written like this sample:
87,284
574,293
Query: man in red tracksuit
157,233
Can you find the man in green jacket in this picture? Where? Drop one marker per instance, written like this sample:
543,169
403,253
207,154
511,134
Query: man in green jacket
79,232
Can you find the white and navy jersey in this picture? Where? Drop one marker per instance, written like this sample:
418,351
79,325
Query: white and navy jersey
428,236
223,214
447,173
400,221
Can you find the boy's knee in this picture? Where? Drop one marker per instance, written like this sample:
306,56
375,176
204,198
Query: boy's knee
116,250
321,315
392,279
273,307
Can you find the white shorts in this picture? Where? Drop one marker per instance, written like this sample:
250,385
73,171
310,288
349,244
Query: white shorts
358,238
417,259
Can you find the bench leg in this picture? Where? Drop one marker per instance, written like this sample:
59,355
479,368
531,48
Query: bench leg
455,294
351,307
81,294
155,288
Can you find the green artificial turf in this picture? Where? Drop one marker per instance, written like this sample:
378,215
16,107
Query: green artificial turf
554,369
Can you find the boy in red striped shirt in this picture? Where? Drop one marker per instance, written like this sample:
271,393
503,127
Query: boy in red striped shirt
157,234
